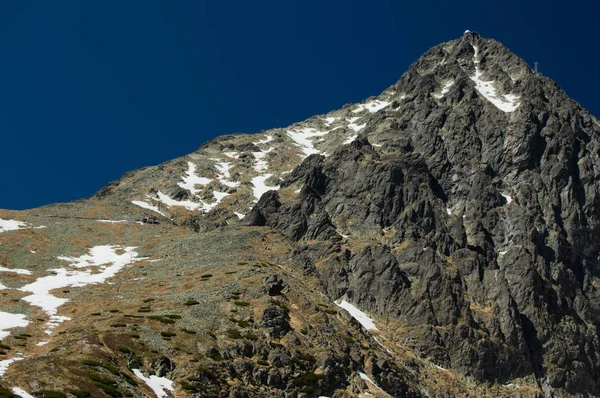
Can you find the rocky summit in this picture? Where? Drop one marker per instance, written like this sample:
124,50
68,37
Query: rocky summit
439,240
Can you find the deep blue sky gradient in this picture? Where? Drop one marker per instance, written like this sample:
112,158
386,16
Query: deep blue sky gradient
92,89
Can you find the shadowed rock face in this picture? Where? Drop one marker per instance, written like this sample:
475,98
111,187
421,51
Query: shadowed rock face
490,220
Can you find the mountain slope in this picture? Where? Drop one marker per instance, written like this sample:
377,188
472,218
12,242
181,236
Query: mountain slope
459,208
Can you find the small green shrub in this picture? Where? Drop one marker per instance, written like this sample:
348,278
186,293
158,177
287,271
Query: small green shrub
167,334
187,386
6,393
233,333
348,339
215,356
174,316
90,362
118,325
262,362
241,303
81,393
331,312
50,394
95,314
125,350
206,276
191,302
148,300
113,310
162,319
188,331
4,346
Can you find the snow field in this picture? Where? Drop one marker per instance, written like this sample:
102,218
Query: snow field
9,321
371,106
303,138
148,206
506,103
161,386
103,259
366,321
445,89
11,225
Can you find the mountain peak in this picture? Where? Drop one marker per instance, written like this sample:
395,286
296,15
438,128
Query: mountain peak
455,216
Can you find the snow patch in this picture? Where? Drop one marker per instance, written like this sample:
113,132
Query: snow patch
329,120
506,103
190,180
224,175
368,380
445,89
161,386
449,211
357,314
11,225
6,363
350,139
304,139
239,215
508,198
148,206
260,187
261,164
9,321
188,204
22,393
104,259
268,139
371,106
15,270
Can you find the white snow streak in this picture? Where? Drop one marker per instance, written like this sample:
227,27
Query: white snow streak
444,89
11,225
329,120
105,260
368,379
160,385
190,180
22,393
9,321
353,126
148,206
260,187
372,106
268,139
188,204
507,197
15,270
6,363
224,175
506,103
303,138
239,215
357,314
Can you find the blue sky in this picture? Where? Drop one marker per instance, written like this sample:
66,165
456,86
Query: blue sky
92,89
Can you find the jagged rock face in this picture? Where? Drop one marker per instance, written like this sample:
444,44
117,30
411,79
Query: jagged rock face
493,263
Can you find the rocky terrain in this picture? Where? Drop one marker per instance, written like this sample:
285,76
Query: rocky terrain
438,240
